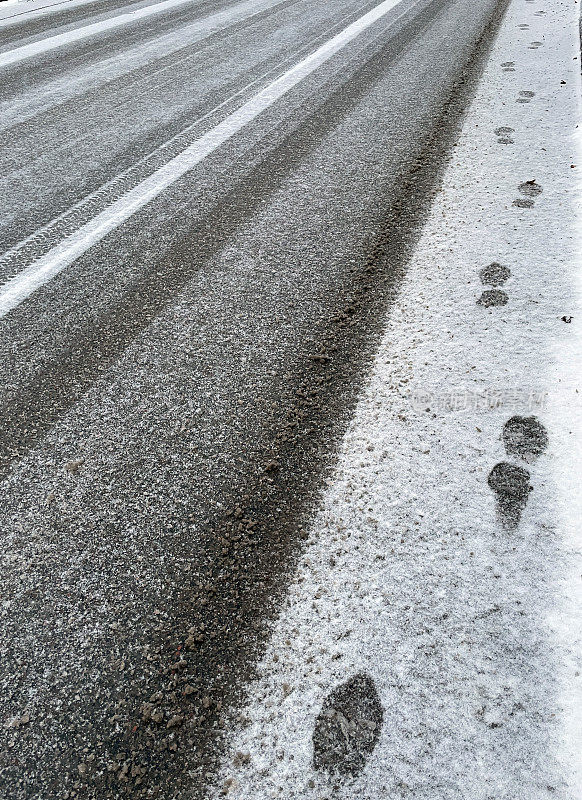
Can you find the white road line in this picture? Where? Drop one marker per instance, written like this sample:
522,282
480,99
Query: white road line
16,290
61,39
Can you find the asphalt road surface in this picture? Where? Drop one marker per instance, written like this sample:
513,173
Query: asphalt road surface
205,210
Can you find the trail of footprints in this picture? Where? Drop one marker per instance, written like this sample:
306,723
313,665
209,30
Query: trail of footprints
348,726
524,438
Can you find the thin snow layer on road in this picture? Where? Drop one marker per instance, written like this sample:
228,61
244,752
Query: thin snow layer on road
434,576
14,291
58,90
86,31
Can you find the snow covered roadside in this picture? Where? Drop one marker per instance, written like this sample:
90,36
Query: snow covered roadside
454,591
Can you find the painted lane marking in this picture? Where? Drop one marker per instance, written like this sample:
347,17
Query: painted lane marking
62,39
37,274
26,14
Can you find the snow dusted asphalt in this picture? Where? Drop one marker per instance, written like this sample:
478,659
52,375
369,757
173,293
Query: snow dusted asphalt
169,400
459,600
63,255
85,31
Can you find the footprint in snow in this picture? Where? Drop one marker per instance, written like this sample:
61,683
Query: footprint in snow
504,135
493,297
511,486
348,727
531,189
494,274
508,66
535,45
524,437
525,96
